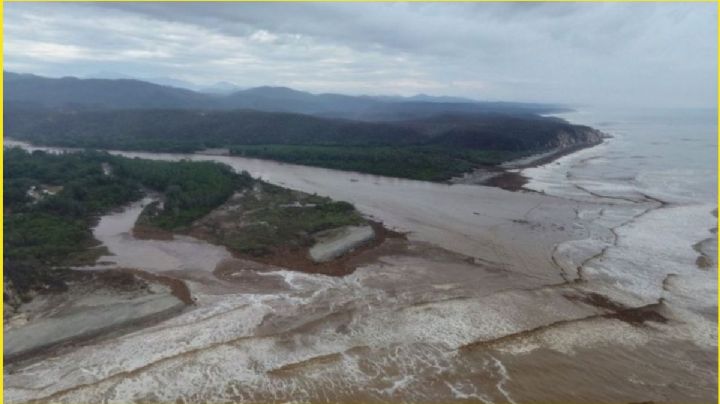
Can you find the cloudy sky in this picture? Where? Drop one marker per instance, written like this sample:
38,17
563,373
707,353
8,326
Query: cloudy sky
601,53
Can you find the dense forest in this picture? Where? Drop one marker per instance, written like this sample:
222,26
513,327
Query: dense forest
190,189
427,163
190,130
53,200
184,130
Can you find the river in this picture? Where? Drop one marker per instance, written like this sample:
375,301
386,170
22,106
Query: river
493,297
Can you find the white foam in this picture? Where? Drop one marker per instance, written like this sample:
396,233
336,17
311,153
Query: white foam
654,246
551,178
457,392
505,377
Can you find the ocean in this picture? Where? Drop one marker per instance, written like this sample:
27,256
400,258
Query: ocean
655,182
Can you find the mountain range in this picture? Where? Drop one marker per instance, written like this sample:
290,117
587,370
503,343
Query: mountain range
75,93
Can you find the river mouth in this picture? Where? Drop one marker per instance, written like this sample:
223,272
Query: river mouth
481,268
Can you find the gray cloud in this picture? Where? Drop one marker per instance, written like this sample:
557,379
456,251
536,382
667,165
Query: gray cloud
599,53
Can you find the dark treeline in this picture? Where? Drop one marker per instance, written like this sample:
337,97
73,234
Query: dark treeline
53,200
427,163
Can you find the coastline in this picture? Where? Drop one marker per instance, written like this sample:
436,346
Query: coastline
507,286
508,175
95,305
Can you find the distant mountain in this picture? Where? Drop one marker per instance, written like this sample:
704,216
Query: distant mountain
221,87
170,82
71,92
283,99
423,98
433,98
366,108
110,75
97,94
163,81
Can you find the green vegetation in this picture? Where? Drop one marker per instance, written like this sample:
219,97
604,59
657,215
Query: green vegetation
43,228
427,163
191,189
268,217
49,227
53,200
187,131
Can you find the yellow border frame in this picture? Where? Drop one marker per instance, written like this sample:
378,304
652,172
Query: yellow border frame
2,54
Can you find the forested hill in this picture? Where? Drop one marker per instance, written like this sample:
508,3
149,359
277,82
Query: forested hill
191,130
71,93
74,93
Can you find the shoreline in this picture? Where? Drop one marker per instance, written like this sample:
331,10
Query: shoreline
418,293
508,175
79,315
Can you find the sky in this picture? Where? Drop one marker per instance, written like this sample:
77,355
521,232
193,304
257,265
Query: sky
604,54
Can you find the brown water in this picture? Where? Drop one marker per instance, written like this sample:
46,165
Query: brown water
473,307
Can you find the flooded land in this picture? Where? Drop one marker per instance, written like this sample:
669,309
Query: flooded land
465,293
360,202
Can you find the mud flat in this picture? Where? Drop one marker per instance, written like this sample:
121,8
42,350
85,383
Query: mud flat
89,308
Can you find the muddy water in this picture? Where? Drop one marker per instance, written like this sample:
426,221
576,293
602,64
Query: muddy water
484,303
181,253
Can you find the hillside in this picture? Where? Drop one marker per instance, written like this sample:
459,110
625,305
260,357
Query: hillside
71,92
193,130
428,149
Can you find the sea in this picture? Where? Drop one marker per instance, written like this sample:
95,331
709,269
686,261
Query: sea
656,180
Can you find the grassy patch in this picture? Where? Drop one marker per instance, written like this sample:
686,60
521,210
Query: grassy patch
269,217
